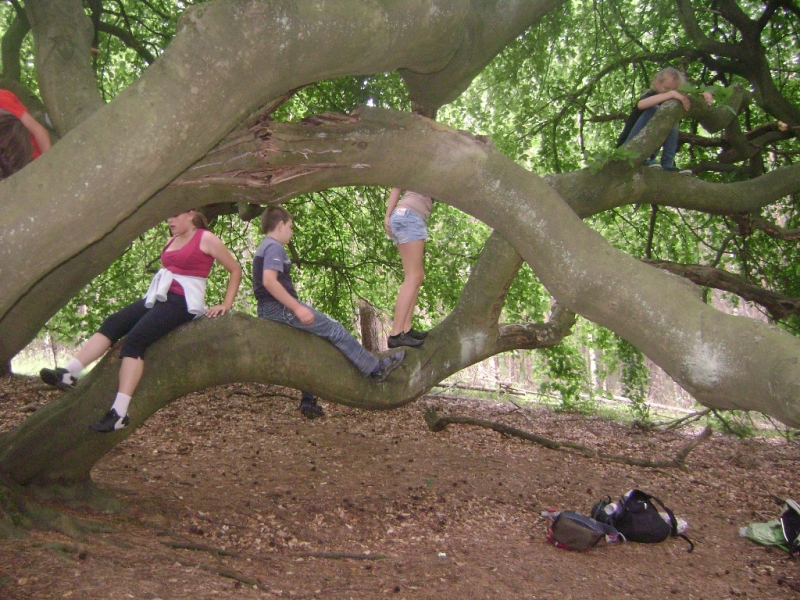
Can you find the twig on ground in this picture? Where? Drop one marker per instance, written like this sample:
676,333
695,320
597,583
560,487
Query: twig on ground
686,420
200,548
229,573
437,423
344,555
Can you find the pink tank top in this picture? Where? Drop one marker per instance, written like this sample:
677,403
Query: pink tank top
189,260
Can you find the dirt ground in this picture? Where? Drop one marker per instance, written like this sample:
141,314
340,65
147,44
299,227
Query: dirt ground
234,494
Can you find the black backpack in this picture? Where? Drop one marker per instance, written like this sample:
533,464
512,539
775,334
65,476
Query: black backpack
637,518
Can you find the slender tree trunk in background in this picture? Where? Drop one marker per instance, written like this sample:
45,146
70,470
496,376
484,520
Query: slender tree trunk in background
369,318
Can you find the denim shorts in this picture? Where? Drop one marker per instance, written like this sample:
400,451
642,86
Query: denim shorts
407,226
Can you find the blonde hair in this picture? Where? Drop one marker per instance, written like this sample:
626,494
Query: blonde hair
670,73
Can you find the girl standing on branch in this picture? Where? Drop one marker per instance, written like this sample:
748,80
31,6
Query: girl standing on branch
176,296
405,223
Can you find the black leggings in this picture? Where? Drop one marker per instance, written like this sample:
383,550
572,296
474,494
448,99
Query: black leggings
144,326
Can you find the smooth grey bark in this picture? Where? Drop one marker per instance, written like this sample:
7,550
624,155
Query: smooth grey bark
62,35
85,200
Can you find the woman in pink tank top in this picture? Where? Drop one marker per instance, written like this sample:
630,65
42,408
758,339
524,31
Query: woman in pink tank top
176,296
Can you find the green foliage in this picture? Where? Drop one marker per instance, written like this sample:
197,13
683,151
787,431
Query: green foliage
735,422
635,381
566,375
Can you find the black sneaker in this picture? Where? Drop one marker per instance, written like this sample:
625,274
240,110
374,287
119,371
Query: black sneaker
310,408
111,421
417,335
55,377
388,364
403,339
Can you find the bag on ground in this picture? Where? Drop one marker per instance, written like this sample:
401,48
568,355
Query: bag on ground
574,531
638,518
783,532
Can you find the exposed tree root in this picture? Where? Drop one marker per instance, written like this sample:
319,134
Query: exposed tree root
437,423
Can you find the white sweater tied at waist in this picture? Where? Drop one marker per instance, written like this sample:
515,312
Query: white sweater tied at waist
194,288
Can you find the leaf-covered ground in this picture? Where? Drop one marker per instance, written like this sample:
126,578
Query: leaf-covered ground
233,494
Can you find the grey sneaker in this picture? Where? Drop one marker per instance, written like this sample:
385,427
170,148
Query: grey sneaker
60,378
387,365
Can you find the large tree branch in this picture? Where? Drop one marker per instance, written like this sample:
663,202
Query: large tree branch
432,88
62,35
242,348
707,352
160,125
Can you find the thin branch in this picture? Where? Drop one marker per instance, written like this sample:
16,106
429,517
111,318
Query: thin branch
778,305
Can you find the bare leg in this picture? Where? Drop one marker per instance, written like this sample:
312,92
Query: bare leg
130,374
411,254
94,348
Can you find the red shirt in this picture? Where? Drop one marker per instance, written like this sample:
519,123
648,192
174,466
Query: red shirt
189,260
9,102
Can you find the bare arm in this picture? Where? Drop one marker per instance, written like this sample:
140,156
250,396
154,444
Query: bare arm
651,101
394,196
274,287
213,246
38,131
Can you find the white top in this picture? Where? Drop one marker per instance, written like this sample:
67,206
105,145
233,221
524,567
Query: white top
194,289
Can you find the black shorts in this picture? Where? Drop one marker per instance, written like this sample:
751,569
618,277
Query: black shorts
142,326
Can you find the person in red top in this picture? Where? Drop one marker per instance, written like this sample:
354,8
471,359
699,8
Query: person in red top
176,296
15,150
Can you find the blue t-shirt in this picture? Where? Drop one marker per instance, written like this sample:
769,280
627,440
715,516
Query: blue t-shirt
271,256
